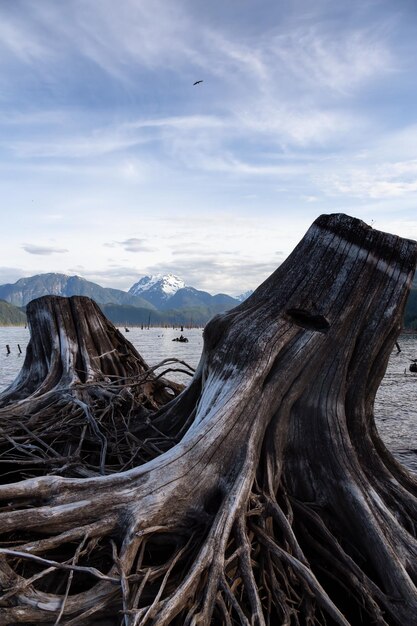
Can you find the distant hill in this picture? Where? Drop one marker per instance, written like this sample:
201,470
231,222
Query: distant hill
27,289
132,316
127,315
11,315
188,297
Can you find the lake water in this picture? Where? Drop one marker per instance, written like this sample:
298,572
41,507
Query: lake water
396,403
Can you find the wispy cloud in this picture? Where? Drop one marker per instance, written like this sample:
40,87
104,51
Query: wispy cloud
100,141
133,244
322,56
112,38
260,80
97,144
113,275
375,181
42,250
20,39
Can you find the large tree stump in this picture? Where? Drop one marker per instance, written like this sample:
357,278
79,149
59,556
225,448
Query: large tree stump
272,501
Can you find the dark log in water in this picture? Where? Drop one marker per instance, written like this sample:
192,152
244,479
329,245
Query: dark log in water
268,498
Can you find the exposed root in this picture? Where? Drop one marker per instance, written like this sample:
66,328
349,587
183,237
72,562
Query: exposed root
86,429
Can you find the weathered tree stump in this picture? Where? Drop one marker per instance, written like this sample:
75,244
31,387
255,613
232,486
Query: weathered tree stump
84,391
272,501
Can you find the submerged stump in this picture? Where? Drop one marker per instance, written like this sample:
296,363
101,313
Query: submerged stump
263,494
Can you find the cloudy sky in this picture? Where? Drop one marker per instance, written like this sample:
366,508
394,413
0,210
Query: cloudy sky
114,165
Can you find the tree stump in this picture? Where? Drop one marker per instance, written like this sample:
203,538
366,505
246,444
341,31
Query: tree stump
84,391
269,498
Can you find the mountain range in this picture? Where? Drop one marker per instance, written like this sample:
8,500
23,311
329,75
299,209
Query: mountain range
27,289
161,298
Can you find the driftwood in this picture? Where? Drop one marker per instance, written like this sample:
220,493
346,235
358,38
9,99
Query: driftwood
268,497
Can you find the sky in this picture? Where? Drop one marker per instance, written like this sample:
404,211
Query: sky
114,165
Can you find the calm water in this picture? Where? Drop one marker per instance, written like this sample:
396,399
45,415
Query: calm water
396,404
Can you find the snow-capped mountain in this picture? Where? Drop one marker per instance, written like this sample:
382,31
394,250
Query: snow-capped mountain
167,291
163,286
244,296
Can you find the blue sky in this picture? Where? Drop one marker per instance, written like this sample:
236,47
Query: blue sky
113,165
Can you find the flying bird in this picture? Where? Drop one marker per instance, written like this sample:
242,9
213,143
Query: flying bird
197,82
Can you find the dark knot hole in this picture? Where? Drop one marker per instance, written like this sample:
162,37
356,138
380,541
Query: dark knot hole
308,320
